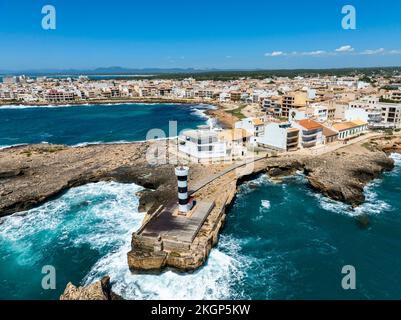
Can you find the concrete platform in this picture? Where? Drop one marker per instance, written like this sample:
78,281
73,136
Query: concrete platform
170,227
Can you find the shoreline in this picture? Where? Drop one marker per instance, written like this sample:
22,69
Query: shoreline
34,163
204,114
104,101
217,111
64,167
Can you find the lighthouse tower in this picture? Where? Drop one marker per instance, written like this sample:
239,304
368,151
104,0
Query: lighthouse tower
182,179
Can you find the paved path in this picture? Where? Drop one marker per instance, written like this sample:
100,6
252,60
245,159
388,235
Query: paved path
202,183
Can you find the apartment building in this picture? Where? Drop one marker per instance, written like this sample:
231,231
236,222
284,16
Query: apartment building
280,136
273,105
55,96
393,95
235,96
311,133
391,115
293,100
255,126
373,116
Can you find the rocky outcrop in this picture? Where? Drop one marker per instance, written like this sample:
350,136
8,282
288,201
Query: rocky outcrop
100,290
343,175
31,175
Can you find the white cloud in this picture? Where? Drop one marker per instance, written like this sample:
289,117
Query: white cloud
347,48
394,52
372,52
314,53
275,54
228,57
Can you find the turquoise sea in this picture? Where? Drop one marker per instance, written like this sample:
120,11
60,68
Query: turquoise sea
74,125
280,241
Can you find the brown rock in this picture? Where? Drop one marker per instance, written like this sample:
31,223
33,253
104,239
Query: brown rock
100,290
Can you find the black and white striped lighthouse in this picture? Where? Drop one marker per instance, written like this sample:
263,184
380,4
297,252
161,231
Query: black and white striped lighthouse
182,179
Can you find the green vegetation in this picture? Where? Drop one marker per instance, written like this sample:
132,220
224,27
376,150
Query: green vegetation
28,153
387,100
365,79
52,149
237,112
368,146
388,132
175,254
226,75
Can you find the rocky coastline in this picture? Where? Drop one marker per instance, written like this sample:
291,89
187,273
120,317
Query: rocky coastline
31,175
100,290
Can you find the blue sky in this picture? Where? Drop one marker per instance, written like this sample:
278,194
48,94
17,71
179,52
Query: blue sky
265,34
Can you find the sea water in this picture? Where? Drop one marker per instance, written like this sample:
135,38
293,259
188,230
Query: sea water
281,241
80,124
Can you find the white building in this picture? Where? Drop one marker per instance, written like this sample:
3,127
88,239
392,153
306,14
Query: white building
209,144
254,126
350,129
311,133
280,136
201,144
356,114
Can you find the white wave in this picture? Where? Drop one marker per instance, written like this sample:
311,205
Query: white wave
49,106
332,205
98,214
265,204
397,162
224,268
201,113
85,144
372,205
12,145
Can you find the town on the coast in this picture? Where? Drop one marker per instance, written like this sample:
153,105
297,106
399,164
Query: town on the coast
275,114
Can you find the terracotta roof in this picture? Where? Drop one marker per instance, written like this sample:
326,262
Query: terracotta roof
310,124
327,132
349,125
360,122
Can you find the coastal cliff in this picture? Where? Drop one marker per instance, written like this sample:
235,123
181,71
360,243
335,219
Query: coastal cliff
31,175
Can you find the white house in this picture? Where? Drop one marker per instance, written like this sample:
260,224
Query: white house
206,144
356,114
255,126
297,114
350,129
202,144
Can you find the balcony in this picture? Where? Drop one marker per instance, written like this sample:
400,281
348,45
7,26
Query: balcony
309,144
